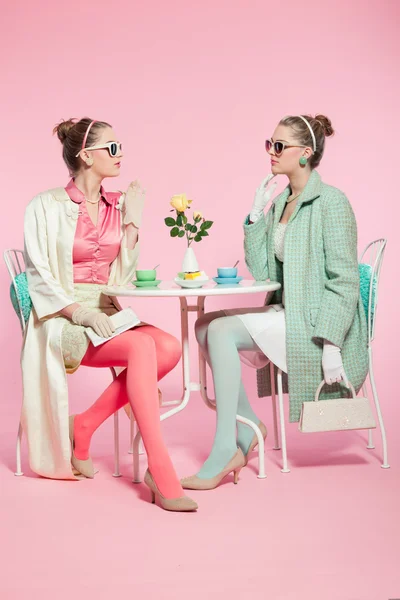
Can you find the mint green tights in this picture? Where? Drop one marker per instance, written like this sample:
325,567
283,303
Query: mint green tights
220,339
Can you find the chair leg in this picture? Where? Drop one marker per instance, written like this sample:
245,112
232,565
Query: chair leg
370,444
141,447
133,431
385,464
261,456
274,411
261,445
136,448
117,472
19,472
285,468
136,470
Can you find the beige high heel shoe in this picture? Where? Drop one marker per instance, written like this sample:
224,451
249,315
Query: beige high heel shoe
254,441
236,463
182,504
84,467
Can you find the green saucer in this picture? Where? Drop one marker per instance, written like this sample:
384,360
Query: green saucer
147,283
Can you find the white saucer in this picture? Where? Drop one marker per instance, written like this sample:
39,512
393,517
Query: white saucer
191,283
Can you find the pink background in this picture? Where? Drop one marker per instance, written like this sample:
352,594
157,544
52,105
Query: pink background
192,90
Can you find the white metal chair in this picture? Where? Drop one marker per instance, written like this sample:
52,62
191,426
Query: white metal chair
15,264
373,256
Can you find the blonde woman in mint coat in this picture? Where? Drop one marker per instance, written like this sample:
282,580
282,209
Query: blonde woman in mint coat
314,328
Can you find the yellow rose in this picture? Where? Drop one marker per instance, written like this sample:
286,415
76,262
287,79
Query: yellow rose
197,215
180,202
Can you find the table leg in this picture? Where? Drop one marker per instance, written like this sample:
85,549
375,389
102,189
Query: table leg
202,363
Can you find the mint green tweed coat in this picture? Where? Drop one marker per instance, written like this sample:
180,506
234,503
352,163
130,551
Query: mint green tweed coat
322,289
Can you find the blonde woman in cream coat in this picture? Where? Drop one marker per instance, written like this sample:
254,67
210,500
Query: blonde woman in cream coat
78,240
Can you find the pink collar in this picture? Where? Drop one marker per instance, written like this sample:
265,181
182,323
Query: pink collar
77,196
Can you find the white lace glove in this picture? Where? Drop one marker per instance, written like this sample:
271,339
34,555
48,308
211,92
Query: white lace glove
99,322
262,197
133,204
332,364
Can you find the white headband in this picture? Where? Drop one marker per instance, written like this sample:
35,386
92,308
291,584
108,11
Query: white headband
311,131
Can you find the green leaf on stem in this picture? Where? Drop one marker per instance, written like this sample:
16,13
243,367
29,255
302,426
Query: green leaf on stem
193,229
203,233
179,220
174,232
181,234
206,225
169,221
197,238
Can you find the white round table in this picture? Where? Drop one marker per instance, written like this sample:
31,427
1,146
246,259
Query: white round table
171,289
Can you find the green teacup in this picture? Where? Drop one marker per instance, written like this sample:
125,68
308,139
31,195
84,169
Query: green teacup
146,275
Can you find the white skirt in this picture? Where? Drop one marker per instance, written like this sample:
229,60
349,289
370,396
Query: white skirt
267,327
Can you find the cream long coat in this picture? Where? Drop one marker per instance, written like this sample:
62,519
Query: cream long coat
49,231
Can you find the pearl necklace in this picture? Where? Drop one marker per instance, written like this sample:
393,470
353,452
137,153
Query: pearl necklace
94,202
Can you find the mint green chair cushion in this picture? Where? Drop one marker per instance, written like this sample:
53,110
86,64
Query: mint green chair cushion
21,283
365,271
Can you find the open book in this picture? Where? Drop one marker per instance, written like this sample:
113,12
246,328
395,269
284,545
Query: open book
122,320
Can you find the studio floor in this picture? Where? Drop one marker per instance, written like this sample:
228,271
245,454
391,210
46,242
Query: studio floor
328,530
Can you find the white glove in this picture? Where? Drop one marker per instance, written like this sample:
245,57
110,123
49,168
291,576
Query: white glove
262,197
332,364
133,204
98,321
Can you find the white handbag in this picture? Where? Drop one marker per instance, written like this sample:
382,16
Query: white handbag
336,415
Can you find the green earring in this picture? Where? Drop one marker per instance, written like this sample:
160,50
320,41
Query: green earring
303,161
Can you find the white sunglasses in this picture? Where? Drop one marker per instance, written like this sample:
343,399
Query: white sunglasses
114,148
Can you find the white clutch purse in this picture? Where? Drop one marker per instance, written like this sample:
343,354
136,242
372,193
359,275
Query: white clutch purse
336,415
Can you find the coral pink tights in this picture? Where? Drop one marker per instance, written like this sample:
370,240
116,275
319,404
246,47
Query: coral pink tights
148,354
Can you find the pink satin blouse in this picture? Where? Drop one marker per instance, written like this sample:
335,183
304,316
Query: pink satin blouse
95,247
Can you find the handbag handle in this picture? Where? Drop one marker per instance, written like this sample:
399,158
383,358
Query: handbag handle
321,385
